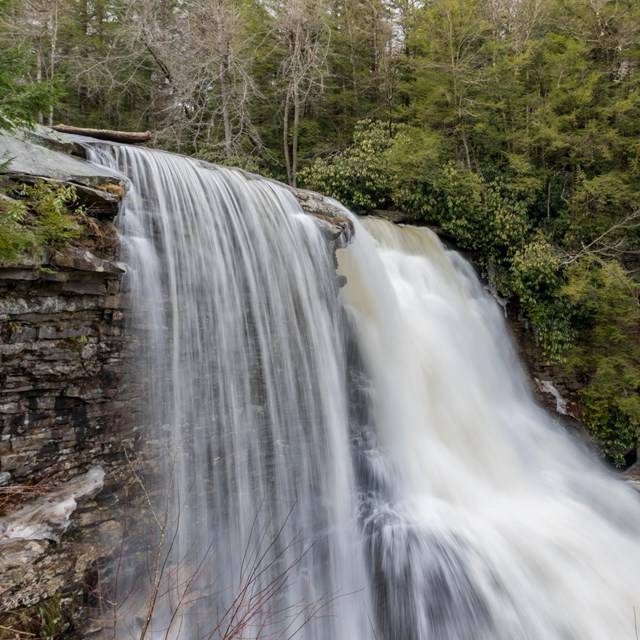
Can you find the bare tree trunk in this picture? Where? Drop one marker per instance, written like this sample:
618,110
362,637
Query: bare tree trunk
294,143
40,116
303,34
285,139
223,23
127,137
354,78
54,46
467,153
85,17
226,116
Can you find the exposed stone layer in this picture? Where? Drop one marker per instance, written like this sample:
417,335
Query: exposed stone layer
64,408
61,349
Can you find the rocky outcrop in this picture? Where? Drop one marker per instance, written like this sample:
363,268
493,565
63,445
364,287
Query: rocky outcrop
66,412
330,216
50,544
61,350
554,389
30,155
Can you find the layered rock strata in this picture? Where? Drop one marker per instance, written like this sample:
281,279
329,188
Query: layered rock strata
66,412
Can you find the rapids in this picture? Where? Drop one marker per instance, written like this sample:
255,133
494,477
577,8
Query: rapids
356,463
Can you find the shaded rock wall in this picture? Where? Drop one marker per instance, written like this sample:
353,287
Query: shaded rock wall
554,389
61,366
65,408
68,411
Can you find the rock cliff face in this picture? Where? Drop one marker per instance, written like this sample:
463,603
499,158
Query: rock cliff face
62,347
66,412
555,390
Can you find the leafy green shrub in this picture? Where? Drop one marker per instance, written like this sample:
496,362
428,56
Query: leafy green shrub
54,225
457,205
488,217
606,353
536,277
15,238
38,221
358,176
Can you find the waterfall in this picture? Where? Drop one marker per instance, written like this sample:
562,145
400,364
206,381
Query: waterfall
487,522
245,371
349,464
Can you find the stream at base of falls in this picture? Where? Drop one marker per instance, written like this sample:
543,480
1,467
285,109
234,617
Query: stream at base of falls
355,463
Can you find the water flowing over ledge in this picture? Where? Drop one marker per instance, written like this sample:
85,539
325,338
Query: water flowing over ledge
373,454
246,374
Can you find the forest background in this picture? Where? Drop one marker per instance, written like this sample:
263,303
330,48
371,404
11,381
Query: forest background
513,125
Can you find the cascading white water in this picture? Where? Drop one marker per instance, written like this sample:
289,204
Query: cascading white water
388,460
246,373
486,522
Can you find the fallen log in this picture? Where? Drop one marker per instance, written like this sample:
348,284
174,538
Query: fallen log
126,137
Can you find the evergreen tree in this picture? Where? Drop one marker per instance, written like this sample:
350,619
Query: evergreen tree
22,96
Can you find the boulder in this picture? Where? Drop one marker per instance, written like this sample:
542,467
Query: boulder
28,156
